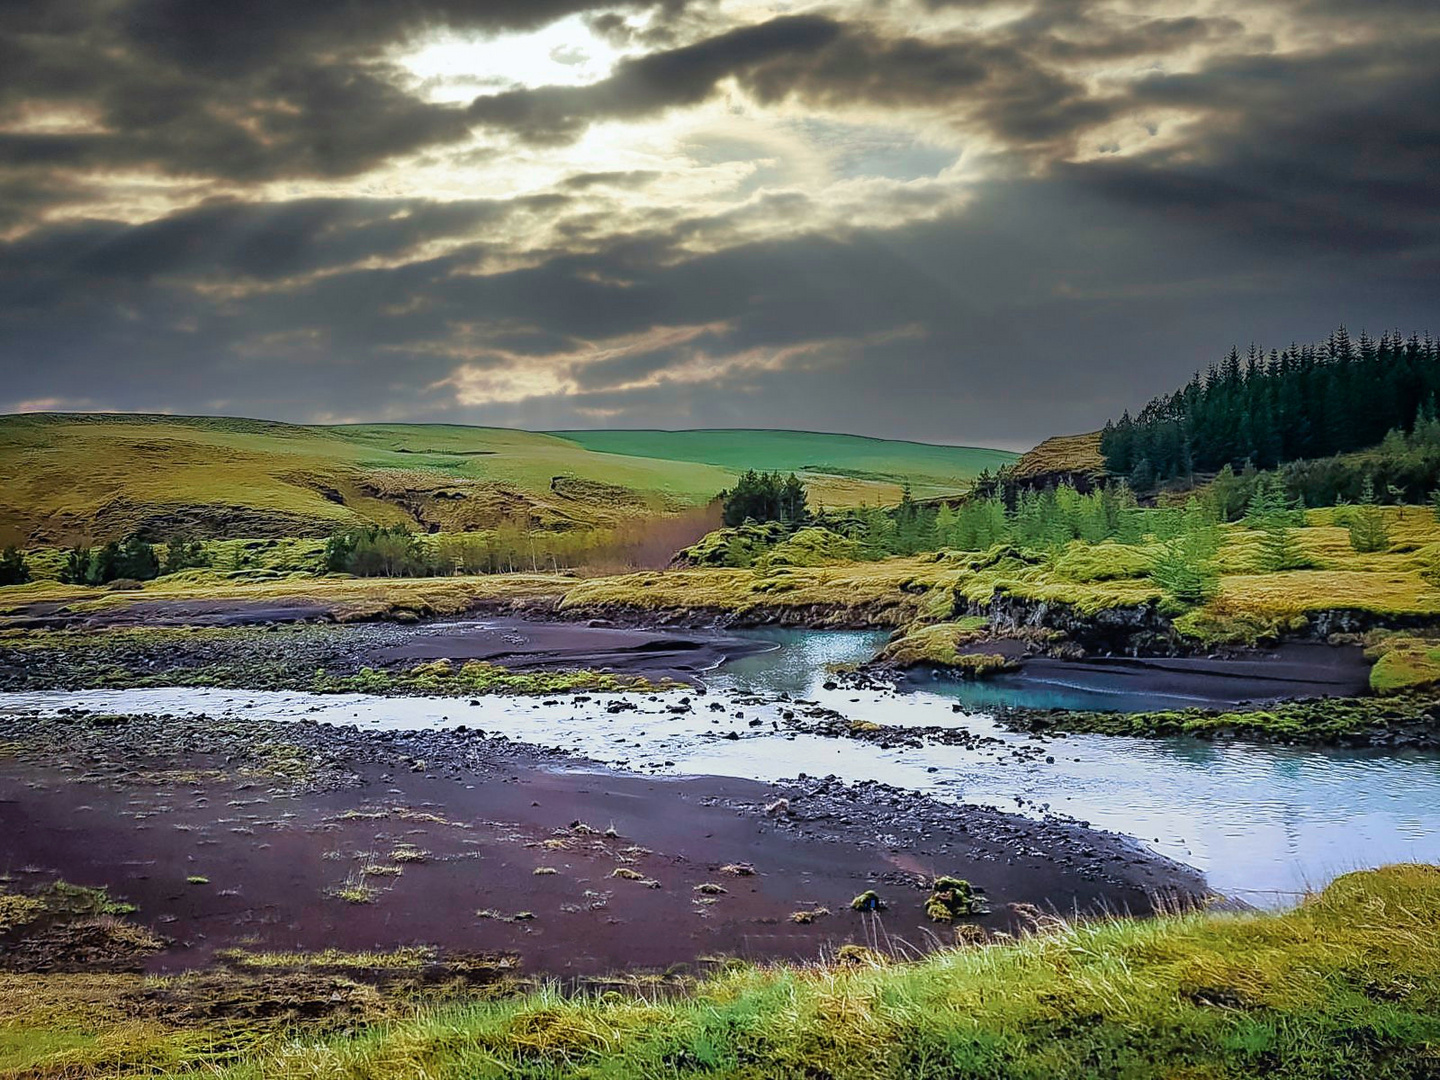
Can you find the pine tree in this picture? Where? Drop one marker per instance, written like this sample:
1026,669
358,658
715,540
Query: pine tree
1183,573
1368,532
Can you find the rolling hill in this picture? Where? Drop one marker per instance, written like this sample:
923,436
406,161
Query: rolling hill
930,469
72,477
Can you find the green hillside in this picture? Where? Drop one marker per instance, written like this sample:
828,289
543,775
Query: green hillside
930,469
94,476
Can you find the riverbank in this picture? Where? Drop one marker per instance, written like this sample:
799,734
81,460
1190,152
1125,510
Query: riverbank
288,836
500,654
1345,985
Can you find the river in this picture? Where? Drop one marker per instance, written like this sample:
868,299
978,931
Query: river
1264,823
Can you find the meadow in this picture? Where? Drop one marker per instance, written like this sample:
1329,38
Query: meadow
930,470
80,477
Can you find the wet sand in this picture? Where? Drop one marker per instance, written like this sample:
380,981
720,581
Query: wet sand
142,805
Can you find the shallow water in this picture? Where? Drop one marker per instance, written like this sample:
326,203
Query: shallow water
1264,823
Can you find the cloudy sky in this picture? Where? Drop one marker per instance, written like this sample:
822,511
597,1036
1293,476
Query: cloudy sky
955,220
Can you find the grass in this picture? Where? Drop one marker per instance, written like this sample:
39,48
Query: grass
930,469
79,476
411,958
347,599
1346,985
17,911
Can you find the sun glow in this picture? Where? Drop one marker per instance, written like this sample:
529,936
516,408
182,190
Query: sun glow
457,68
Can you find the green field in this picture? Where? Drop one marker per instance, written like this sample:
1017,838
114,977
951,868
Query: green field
89,477
929,469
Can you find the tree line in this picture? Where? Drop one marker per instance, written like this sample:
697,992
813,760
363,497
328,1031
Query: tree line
131,559
1265,409
765,496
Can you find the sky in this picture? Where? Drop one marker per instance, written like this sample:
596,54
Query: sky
966,221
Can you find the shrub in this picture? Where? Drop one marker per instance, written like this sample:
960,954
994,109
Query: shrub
374,551
13,570
1183,572
184,555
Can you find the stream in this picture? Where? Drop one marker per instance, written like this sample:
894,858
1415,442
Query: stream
1264,823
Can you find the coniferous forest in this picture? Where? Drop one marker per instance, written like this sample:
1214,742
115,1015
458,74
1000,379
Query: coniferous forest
1266,409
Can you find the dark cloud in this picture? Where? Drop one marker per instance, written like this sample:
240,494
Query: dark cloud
1287,186
244,90
1010,79
632,178
1041,308
821,60
1332,151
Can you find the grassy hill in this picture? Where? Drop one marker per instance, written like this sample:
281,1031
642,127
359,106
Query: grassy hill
83,476
1071,459
930,469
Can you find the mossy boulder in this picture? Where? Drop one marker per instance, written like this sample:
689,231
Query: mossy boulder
736,547
1103,562
869,900
814,547
939,645
952,898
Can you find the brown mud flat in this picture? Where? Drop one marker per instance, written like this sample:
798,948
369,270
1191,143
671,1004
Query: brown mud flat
296,837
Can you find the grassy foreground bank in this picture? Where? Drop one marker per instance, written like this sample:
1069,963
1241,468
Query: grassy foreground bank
1345,985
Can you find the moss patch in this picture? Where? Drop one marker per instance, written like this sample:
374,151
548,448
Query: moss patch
1403,663
936,645
1411,719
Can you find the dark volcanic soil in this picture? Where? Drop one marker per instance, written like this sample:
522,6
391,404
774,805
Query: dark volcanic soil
524,643
1289,671
287,655
448,829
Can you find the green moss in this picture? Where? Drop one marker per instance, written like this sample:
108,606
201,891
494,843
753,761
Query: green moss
475,677
70,900
1104,562
869,900
952,898
814,547
17,911
938,646
1404,663
1317,722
